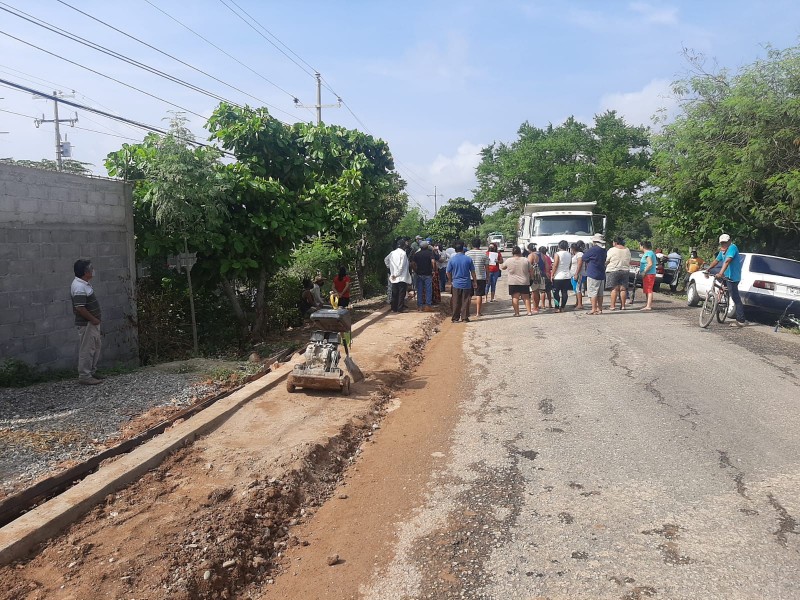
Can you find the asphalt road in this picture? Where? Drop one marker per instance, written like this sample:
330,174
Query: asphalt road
626,455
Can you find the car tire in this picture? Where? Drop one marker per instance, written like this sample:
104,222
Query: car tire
657,286
692,297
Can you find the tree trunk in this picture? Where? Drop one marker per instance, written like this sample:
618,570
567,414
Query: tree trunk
261,312
236,305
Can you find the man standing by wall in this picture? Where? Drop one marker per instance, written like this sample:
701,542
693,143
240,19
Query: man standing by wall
461,273
87,319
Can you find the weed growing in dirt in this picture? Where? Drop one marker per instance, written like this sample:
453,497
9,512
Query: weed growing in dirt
15,373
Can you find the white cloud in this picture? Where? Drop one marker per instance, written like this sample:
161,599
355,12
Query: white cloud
453,175
608,22
639,107
657,15
432,63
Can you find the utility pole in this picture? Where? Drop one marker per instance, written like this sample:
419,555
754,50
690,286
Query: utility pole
56,121
434,195
319,105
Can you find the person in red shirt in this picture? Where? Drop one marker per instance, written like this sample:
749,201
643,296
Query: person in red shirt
341,286
495,260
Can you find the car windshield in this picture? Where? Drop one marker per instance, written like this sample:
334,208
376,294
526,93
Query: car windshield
772,265
562,225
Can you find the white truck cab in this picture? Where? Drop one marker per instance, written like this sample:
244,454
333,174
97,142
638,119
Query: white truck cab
546,224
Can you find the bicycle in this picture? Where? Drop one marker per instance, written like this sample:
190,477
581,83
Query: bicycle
787,319
716,304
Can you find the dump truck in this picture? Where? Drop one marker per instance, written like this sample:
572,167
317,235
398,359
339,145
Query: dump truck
546,224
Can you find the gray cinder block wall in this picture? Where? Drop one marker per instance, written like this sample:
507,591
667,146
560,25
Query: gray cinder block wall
47,221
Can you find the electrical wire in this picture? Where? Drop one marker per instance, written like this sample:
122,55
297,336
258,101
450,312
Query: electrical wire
124,137
75,38
72,62
269,41
108,115
272,35
11,112
233,87
33,79
210,43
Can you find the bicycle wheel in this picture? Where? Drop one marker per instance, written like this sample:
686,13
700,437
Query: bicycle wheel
722,307
708,310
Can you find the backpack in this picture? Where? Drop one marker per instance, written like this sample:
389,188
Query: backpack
536,273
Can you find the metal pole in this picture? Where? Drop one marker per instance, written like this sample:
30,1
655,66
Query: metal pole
319,98
434,201
59,161
191,299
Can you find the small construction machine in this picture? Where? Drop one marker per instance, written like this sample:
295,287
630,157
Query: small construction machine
321,369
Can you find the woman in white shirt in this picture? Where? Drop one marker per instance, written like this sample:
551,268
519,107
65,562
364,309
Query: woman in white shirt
562,280
578,272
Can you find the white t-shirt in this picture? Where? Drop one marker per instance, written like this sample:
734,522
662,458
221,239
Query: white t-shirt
564,264
573,268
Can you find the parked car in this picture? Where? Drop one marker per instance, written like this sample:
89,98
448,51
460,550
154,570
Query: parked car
636,258
769,284
671,272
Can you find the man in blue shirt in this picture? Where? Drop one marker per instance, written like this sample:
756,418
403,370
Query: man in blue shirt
732,271
461,274
595,260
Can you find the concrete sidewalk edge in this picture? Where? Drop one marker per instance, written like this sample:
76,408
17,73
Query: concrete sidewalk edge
20,536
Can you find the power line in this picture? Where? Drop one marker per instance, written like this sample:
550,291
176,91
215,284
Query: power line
76,38
209,42
106,114
102,74
11,112
269,41
233,87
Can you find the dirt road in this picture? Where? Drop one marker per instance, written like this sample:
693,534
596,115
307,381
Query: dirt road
215,520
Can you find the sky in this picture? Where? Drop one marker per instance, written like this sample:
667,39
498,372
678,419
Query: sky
437,80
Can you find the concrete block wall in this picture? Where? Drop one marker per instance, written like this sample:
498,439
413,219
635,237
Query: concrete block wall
48,220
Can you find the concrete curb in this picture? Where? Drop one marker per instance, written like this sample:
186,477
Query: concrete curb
21,536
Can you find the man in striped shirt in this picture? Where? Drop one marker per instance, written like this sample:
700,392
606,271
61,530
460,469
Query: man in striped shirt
87,319
481,262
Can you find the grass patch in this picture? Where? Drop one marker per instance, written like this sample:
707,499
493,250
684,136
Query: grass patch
15,373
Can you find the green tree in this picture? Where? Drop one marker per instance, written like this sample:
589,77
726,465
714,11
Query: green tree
608,163
413,223
69,165
454,219
503,220
730,161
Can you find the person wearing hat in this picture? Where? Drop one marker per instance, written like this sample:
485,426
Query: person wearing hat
731,271
316,290
595,261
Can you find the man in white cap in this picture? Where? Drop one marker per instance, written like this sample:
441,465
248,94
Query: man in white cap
595,260
731,271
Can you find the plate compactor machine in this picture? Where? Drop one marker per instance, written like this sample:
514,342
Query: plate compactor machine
321,369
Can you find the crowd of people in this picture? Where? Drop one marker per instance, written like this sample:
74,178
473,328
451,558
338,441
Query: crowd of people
421,270
538,281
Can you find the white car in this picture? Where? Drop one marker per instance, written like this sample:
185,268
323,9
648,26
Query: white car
769,284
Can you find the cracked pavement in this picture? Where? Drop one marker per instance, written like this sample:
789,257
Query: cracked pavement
626,455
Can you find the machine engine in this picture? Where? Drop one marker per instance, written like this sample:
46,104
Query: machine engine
322,351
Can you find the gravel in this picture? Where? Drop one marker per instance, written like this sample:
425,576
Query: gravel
45,425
